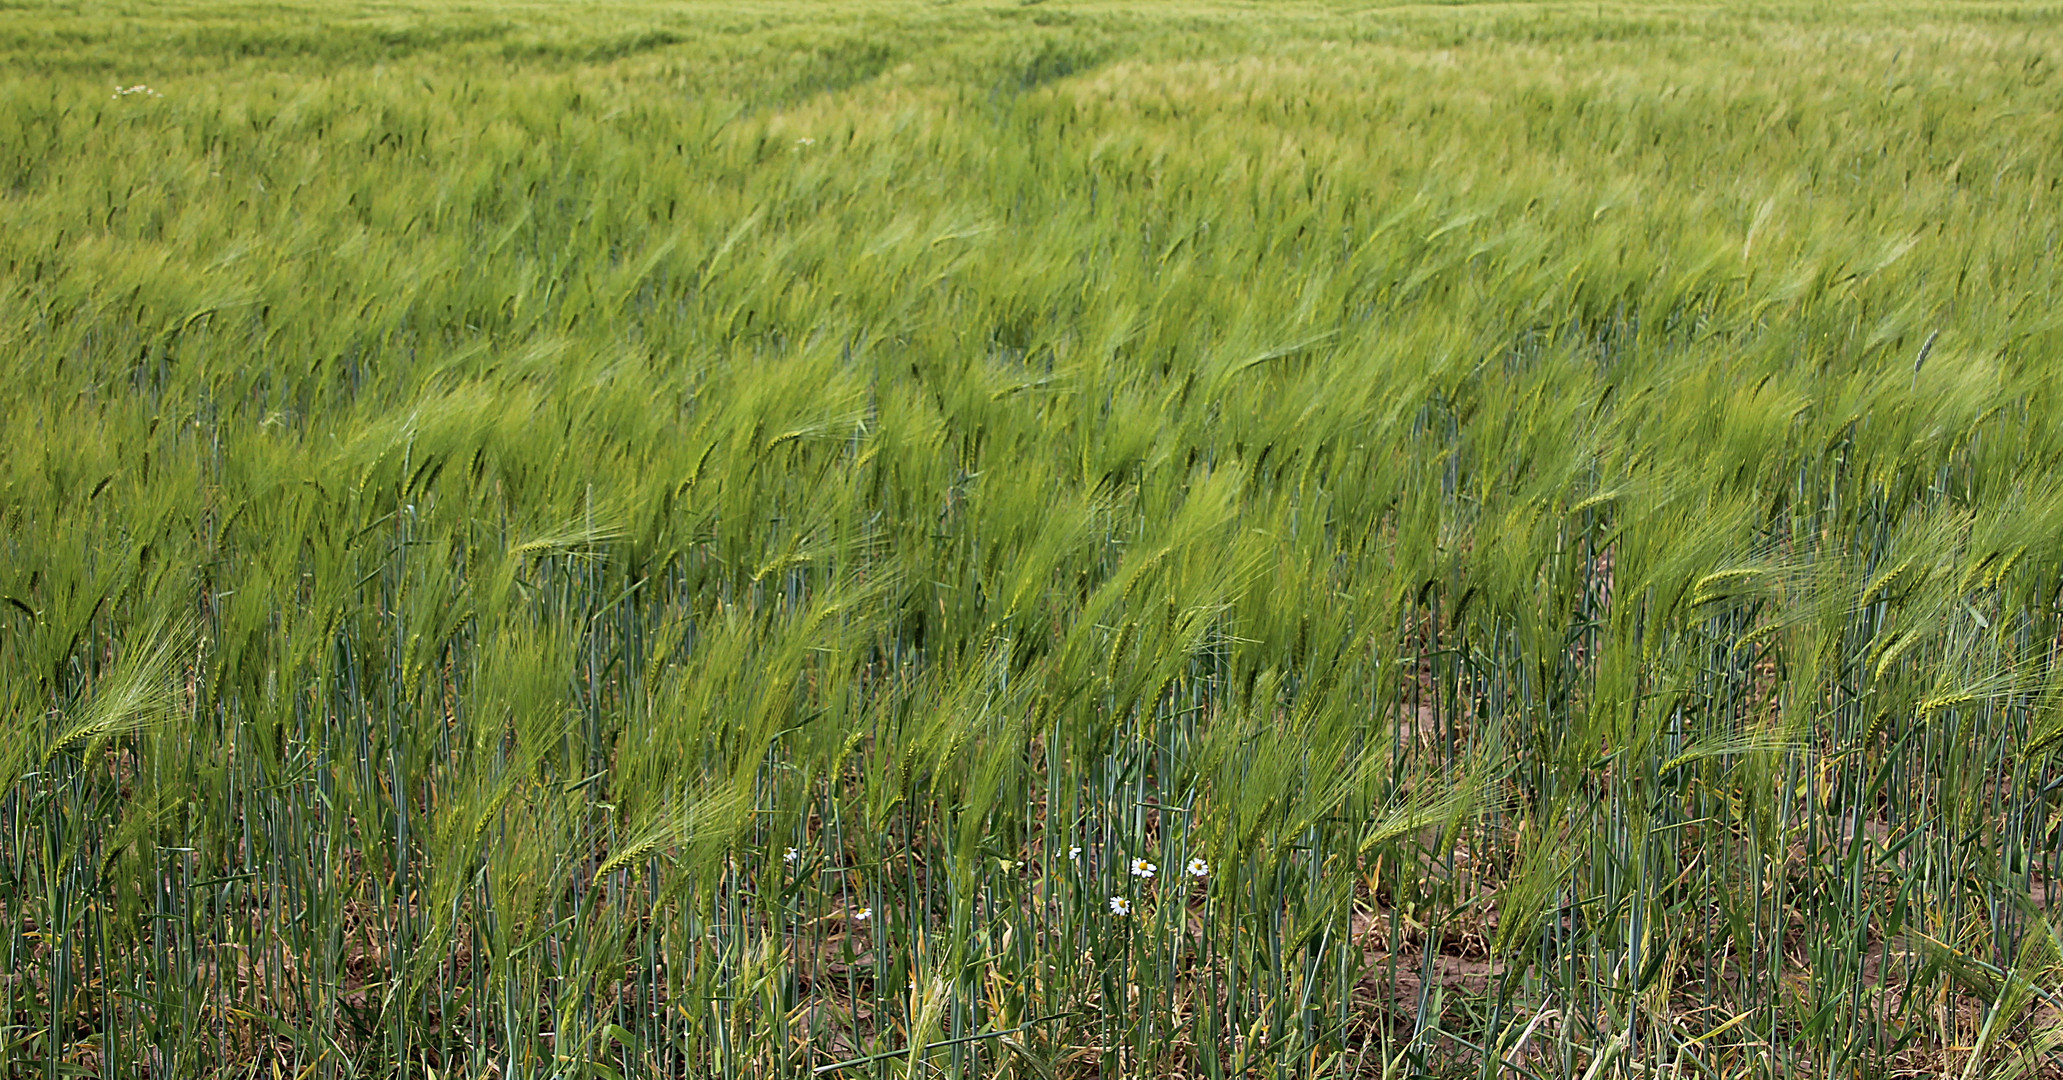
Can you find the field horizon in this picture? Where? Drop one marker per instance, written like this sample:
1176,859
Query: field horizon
1059,539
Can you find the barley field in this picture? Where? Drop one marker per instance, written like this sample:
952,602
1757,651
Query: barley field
1043,540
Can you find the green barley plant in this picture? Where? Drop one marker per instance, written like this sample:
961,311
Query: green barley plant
1057,539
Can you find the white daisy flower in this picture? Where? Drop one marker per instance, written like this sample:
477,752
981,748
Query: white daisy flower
1143,869
790,856
1120,906
1197,868
863,914
1074,852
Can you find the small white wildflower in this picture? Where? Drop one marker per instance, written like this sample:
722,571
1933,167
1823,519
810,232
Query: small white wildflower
1197,868
1120,906
790,856
1143,869
805,141
1074,853
863,914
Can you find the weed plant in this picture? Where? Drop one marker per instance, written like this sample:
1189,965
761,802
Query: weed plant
1039,540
